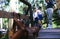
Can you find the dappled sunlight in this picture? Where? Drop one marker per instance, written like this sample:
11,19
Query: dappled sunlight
29,19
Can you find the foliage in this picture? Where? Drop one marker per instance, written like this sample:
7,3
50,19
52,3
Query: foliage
8,0
6,35
5,23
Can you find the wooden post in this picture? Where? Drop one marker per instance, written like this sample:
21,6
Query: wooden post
10,24
1,25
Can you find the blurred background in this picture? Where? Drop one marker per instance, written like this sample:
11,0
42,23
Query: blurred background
18,7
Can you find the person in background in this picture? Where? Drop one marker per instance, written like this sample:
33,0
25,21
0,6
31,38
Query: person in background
37,17
49,12
58,12
40,16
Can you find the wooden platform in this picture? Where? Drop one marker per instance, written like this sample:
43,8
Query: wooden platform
49,34
49,30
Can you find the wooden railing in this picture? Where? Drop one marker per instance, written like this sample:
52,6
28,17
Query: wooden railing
22,30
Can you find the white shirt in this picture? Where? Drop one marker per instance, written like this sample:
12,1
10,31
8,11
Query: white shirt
39,12
35,15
